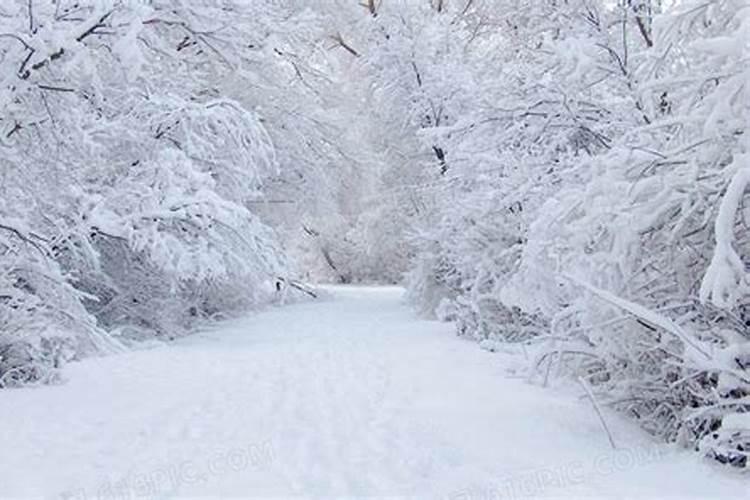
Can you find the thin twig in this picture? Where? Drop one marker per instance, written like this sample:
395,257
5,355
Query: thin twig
595,404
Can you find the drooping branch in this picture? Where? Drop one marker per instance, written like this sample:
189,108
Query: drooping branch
27,238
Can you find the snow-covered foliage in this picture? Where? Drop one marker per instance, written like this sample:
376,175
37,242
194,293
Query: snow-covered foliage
568,176
648,229
589,198
128,178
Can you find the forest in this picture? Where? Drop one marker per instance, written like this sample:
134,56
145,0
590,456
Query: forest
566,180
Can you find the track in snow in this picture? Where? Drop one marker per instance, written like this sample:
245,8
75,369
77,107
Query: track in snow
346,397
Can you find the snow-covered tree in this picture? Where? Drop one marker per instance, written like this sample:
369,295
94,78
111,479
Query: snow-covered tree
594,208
129,177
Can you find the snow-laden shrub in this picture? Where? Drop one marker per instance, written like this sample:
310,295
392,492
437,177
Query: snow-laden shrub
460,272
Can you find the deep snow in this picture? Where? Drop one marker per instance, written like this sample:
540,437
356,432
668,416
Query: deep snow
350,396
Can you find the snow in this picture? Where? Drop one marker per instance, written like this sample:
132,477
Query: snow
725,281
736,421
349,396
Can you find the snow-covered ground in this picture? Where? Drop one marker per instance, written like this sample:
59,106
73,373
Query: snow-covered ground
345,397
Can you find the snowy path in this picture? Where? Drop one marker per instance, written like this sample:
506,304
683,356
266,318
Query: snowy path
347,397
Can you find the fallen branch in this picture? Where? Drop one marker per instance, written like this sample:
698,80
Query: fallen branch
302,288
